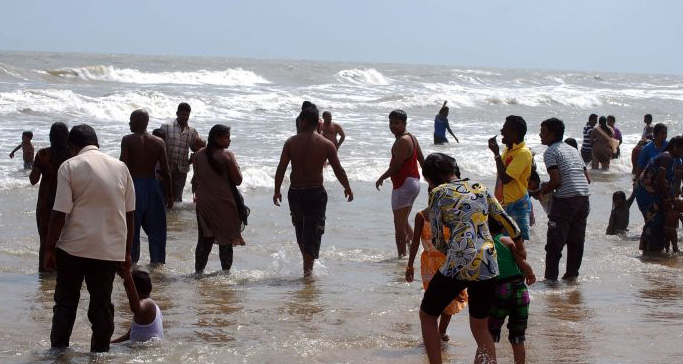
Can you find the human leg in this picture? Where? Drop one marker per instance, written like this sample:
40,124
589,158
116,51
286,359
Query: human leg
140,207
154,223
178,183
558,229
481,295
99,279
67,293
402,230
576,235
225,255
308,207
517,322
444,320
430,337
203,249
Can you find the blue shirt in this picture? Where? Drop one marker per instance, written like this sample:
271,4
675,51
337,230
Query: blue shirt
440,123
649,151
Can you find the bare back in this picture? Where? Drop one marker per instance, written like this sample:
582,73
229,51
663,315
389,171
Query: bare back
308,152
141,152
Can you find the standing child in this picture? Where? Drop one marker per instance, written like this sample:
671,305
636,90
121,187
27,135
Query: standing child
430,261
147,319
26,148
511,298
618,218
671,217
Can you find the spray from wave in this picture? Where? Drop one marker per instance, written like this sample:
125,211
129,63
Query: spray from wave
368,76
229,77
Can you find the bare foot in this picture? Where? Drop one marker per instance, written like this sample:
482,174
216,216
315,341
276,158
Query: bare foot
445,337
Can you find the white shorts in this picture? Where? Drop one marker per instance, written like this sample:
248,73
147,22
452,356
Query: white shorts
405,195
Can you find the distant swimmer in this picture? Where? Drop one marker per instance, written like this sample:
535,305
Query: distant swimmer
26,148
330,130
308,151
441,125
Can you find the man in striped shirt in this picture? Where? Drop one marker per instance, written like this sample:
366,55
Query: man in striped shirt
180,137
569,211
587,146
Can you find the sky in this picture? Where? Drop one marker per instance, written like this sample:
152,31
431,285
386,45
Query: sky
631,36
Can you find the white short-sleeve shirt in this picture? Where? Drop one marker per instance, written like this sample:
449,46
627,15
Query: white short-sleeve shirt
95,191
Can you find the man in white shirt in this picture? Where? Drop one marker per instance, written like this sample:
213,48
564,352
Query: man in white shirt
89,236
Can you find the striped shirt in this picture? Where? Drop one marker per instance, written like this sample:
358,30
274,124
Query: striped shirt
587,145
178,144
569,163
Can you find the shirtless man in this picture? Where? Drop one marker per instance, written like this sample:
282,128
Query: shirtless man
308,151
405,177
141,151
330,130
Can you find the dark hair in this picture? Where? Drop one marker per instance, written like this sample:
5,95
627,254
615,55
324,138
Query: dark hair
309,116
438,166
603,125
518,125
443,109
572,142
327,113
184,106
27,133
612,118
555,126
216,131
648,117
674,142
592,117
159,132
398,114
534,177
143,284
59,149
83,135
495,227
306,104
659,127
619,194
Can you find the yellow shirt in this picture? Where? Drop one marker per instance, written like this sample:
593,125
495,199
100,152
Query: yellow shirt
517,162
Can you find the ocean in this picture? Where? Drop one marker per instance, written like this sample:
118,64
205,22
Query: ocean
357,308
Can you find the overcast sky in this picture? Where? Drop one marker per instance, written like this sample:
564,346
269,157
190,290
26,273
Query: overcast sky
641,36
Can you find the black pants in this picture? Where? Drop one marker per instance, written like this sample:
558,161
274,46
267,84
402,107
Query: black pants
566,226
99,279
201,253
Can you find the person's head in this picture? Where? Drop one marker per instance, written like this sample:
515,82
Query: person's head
306,104
534,180
611,120
219,138
602,121
675,147
659,132
309,118
593,119
552,131
59,133
143,284
572,142
444,111
159,132
80,137
495,227
27,135
513,131
439,168
138,121
647,119
327,117
618,199
398,119
183,113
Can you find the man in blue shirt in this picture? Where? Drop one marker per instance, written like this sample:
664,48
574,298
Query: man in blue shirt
653,148
441,125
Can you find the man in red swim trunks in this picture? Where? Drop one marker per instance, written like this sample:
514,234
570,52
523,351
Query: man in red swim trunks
405,155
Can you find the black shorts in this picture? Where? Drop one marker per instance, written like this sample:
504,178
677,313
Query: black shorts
307,206
443,290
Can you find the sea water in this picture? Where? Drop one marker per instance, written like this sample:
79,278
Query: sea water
357,308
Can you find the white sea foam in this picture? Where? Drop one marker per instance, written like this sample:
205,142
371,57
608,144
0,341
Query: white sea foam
228,77
366,76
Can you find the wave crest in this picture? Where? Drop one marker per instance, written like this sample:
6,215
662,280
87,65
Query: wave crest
367,76
229,77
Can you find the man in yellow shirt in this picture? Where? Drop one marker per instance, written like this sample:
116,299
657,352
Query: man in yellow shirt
514,169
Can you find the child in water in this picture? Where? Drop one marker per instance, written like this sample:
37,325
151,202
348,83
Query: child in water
671,218
147,319
511,296
618,218
430,261
26,149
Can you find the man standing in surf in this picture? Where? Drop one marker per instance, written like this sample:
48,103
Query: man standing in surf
514,169
330,130
308,151
405,177
180,137
141,151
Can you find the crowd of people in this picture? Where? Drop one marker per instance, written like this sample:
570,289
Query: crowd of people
91,209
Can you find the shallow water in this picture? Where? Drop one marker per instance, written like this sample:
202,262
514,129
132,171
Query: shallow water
357,308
